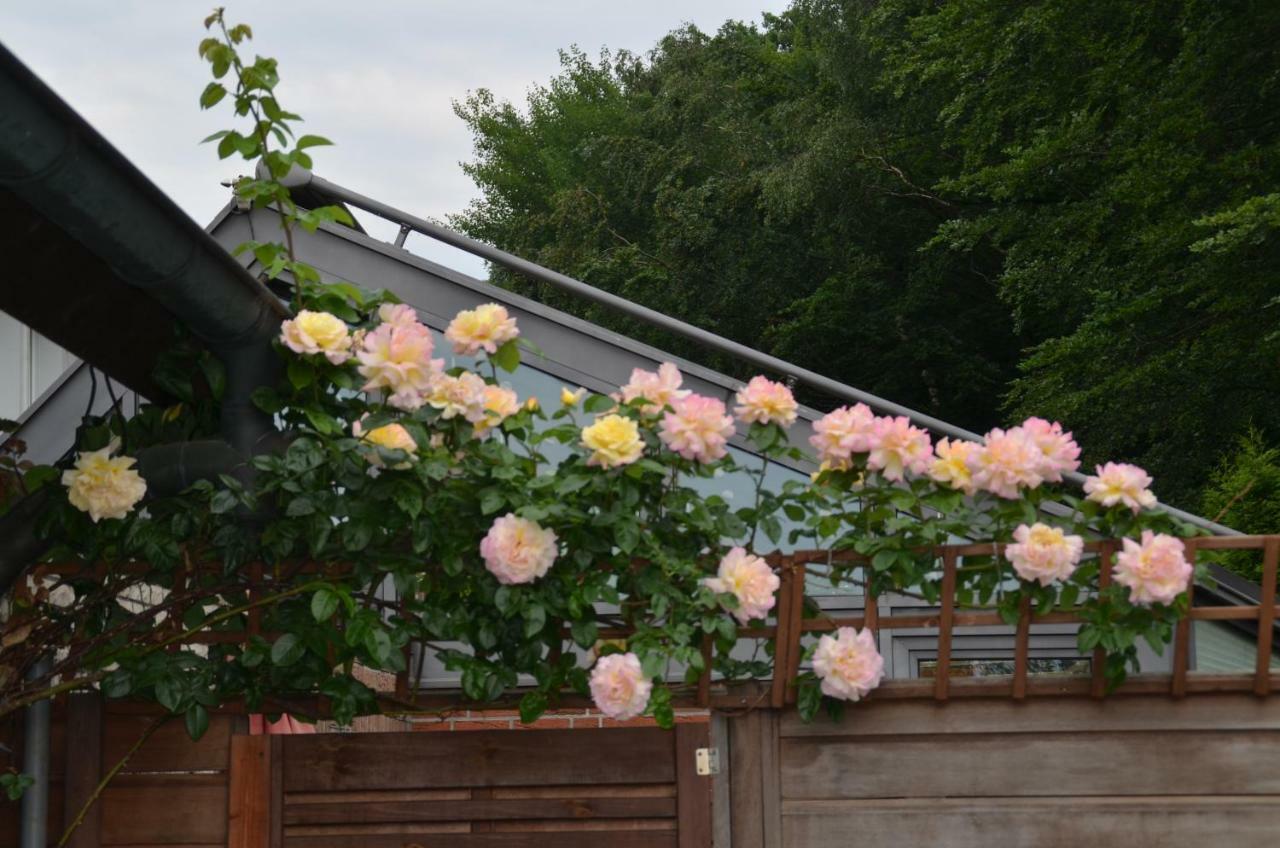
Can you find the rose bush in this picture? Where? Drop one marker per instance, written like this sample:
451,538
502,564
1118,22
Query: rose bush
416,509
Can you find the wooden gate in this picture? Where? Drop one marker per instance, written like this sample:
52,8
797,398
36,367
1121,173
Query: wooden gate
621,788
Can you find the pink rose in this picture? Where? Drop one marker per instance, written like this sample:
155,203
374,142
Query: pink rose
1155,570
396,356
1044,553
839,434
659,389
517,550
618,686
1059,452
849,664
897,447
697,428
762,401
485,328
1007,462
749,579
1120,483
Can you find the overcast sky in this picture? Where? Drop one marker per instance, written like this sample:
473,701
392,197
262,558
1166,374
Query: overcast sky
377,77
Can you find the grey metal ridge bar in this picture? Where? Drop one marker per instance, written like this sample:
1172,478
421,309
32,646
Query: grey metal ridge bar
812,379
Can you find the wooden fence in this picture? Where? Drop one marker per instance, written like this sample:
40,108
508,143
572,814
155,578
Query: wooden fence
1145,771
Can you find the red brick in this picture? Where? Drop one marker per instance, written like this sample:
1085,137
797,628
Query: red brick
586,722
431,725
492,724
544,724
486,714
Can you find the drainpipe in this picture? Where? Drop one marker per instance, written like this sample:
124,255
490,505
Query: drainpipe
35,763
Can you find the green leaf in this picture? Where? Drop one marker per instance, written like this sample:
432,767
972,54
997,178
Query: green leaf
300,374
507,357
324,603
598,403
584,632
287,650
808,699
532,706
299,506
223,501
535,619
197,721
312,141
212,94
492,500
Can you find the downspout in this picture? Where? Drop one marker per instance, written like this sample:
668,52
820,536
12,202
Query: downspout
52,159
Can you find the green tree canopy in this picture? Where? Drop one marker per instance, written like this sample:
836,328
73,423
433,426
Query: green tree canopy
982,209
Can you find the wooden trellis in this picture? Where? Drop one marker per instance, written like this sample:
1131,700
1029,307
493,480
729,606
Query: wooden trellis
791,627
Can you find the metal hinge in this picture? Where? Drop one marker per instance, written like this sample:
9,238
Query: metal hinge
707,760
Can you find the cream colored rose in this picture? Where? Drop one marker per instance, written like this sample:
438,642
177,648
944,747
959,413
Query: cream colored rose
103,486
317,332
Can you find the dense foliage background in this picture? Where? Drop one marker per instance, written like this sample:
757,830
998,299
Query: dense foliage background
979,208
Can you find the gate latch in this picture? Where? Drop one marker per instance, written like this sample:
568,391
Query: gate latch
707,760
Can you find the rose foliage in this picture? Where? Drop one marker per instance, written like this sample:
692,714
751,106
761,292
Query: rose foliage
417,509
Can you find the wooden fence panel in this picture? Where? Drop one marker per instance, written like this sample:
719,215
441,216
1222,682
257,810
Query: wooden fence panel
621,787
1140,771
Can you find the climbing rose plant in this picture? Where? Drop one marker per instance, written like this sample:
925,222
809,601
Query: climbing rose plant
417,506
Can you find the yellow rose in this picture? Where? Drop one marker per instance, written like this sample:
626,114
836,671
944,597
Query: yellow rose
614,441
317,332
485,328
571,398
102,486
389,436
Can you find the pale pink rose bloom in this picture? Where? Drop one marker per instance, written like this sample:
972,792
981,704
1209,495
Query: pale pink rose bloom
749,579
391,436
659,388
499,404
1156,571
697,428
1044,553
1006,462
517,550
312,333
462,395
849,664
897,447
618,686
841,433
763,401
487,327
1060,452
396,356
1120,483
950,466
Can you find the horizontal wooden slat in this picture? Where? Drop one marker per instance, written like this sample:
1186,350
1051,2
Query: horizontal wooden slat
175,810
586,839
169,748
984,715
485,809
439,760
1069,763
1167,822
306,798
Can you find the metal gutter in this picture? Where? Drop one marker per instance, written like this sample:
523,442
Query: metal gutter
707,339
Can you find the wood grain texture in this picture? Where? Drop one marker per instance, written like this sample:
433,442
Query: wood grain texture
479,809
249,814
746,780
421,761
169,748
165,810
984,715
586,839
693,790
84,768
1017,764
1159,822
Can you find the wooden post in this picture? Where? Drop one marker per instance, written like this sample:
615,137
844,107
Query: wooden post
1098,686
1266,617
1182,635
693,790
84,768
946,623
787,631
1021,646
249,801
